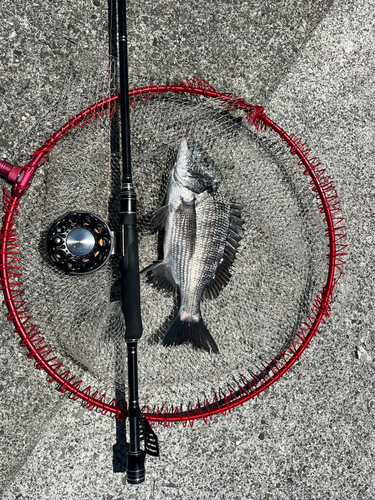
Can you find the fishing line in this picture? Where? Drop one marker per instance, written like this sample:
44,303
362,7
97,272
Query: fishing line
348,20
333,49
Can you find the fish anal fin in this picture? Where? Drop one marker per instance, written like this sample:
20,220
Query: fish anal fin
159,276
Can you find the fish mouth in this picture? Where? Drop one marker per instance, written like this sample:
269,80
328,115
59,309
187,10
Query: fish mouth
180,171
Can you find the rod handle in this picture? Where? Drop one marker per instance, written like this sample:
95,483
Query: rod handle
130,287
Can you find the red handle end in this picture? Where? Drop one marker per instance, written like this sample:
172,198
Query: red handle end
10,172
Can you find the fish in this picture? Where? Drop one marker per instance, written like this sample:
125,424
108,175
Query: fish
202,232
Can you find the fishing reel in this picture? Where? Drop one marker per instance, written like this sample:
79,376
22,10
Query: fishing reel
80,242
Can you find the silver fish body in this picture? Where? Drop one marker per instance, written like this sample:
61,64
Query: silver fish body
200,241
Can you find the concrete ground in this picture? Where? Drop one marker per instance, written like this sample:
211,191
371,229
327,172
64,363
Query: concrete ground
312,66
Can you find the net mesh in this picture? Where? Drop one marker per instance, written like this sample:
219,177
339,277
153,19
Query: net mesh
280,267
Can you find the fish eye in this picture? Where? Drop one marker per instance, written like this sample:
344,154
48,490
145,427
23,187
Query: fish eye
205,161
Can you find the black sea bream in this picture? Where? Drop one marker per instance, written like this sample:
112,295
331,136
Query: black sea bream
201,236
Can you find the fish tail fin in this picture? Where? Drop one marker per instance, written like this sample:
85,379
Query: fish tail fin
195,332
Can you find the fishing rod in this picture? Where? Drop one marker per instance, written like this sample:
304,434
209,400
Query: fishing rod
129,266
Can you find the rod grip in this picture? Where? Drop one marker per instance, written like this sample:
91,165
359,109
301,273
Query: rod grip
130,288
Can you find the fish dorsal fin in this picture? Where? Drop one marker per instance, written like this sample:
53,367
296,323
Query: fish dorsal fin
159,276
160,217
223,274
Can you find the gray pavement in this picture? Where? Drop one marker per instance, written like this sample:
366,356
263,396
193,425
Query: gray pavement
312,66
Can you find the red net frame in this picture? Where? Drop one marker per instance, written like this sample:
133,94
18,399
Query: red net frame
18,312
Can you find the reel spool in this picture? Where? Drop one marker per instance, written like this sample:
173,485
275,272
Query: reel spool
80,242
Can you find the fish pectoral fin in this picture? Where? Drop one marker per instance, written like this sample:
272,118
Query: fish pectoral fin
223,274
159,276
160,217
